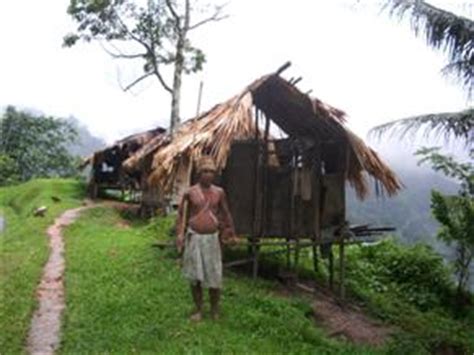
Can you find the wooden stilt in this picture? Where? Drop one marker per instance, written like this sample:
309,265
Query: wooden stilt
257,222
288,254
315,256
297,253
342,266
255,250
331,270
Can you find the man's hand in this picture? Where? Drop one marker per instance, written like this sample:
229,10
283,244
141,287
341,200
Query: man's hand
180,243
232,240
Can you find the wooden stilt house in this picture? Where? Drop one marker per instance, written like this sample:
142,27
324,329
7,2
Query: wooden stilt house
284,159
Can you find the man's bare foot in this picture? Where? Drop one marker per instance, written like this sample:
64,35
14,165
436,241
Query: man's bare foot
196,316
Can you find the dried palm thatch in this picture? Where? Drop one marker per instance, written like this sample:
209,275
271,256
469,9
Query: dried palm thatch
214,131
125,146
442,30
136,141
135,161
211,133
447,125
114,155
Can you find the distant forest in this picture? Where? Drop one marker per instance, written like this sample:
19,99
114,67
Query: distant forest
409,211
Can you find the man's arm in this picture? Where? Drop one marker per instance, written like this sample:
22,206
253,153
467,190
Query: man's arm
228,229
181,220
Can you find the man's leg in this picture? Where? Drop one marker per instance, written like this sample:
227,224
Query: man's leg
214,295
196,291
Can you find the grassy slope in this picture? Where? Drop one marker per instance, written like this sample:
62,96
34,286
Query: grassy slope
124,296
129,297
24,250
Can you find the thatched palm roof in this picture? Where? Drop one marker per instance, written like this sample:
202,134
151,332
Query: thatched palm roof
294,112
126,146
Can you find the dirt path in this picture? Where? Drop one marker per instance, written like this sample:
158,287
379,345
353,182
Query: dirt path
343,320
44,334
349,323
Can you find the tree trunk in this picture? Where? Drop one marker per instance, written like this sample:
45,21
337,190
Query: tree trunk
176,95
463,263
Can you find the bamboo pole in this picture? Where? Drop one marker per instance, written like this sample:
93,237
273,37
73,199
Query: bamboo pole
342,266
198,108
317,199
283,68
261,244
257,202
331,269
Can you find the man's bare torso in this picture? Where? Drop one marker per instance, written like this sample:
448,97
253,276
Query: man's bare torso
204,200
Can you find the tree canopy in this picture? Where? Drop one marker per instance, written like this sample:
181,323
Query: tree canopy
455,213
34,146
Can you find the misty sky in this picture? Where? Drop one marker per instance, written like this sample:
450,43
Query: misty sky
352,57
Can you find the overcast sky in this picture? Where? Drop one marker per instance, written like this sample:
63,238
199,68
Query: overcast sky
353,58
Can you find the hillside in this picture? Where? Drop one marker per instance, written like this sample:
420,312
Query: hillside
123,295
86,143
24,250
409,212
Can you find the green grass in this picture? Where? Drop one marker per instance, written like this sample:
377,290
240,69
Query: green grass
124,296
24,250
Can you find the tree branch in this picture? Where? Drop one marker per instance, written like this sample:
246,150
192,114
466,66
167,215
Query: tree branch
135,38
119,54
151,52
170,7
136,81
216,17
160,78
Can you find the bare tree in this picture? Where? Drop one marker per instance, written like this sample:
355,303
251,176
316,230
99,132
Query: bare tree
160,30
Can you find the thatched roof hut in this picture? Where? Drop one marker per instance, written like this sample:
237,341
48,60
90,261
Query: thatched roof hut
107,163
294,112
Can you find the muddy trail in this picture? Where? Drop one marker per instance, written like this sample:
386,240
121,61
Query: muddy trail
45,329
348,322
44,334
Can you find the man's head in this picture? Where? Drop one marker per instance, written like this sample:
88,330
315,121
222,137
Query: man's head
206,170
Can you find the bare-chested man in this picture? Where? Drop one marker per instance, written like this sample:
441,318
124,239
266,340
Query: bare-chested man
208,217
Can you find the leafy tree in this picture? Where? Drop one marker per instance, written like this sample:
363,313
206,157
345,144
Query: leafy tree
455,212
35,146
160,29
9,172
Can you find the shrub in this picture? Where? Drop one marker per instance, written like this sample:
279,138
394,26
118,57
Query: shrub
417,273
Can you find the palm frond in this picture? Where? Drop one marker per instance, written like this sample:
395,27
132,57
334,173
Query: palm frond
446,125
442,30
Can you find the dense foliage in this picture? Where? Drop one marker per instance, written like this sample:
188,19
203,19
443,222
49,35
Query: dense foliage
411,287
417,274
455,212
34,146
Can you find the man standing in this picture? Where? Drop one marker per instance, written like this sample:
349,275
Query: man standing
203,221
